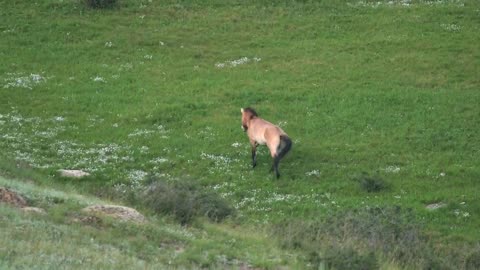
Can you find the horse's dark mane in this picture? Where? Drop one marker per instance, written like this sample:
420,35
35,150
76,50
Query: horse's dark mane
250,110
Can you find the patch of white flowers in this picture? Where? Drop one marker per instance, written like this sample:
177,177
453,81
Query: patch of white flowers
158,160
99,79
237,62
460,213
158,129
405,3
236,144
28,139
218,159
450,27
392,169
17,80
313,173
136,176
59,118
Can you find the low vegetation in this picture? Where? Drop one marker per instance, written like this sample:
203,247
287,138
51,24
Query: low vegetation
380,99
370,238
66,237
185,200
99,4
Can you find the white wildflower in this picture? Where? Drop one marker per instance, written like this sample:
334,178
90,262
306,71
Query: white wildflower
108,44
234,63
137,175
216,158
392,169
99,79
11,30
236,144
240,61
158,160
126,66
313,173
18,81
450,27
140,132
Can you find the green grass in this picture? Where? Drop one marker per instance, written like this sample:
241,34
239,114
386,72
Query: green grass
148,89
66,238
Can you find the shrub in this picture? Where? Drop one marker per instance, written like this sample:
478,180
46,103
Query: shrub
348,239
213,206
100,4
350,259
185,201
473,260
371,183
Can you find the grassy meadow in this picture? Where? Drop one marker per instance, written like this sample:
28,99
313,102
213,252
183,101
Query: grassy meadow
380,98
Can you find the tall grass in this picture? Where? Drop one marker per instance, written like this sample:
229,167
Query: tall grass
366,238
152,89
185,201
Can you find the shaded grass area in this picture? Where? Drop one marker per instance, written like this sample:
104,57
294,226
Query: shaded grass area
66,237
389,88
185,201
371,238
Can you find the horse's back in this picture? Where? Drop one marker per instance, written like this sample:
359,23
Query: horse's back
264,132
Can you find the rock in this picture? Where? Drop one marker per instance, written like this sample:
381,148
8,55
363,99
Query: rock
117,212
435,206
34,210
9,197
73,173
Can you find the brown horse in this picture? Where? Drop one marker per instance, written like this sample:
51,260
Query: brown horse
262,132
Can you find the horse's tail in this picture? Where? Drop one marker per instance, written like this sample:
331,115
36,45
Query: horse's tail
284,146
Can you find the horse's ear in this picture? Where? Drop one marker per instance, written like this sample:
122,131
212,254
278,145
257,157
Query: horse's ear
241,109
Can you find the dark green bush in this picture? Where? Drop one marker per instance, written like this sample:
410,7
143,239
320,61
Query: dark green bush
100,4
213,206
353,239
349,259
473,260
185,201
371,183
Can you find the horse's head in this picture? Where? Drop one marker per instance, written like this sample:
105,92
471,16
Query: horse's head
247,115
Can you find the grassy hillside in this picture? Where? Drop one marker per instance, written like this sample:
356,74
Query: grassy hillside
67,238
380,98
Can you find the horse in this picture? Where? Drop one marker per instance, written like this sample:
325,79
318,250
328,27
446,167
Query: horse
262,132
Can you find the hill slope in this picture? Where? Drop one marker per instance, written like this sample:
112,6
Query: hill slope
380,98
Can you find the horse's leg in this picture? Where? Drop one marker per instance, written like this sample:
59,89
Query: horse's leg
254,154
276,161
